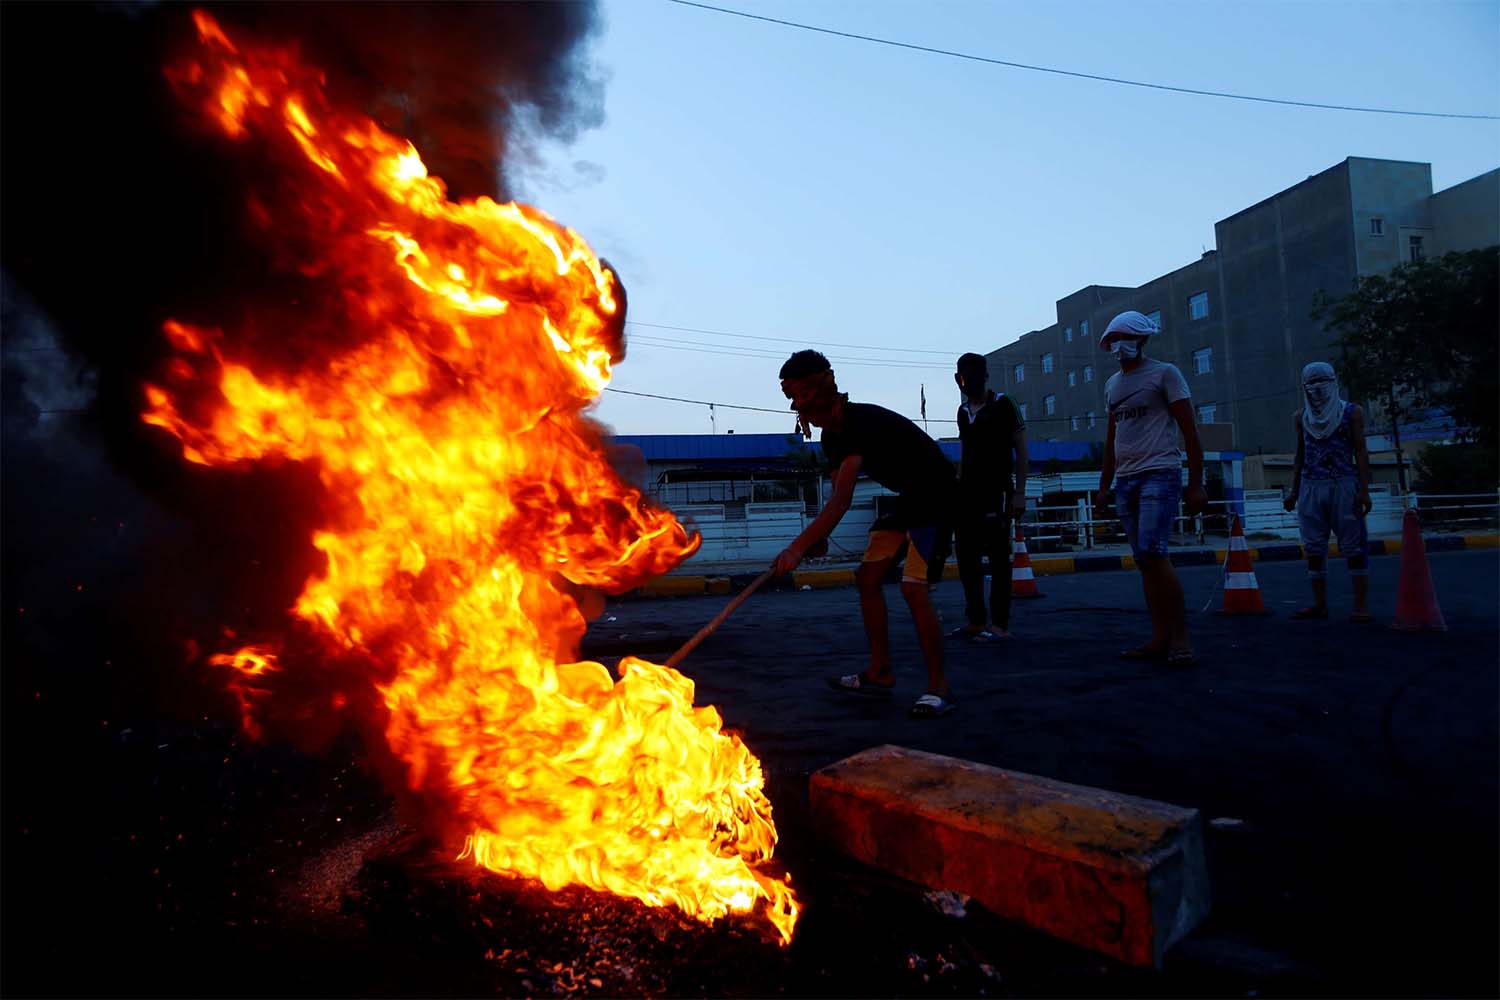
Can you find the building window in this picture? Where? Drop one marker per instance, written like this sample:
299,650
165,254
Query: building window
1023,411
1198,306
1088,373
1067,334
1377,227
1207,412
1414,243
1018,373
1073,422
1049,405
1155,317
1203,361
1072,376
1046,363
1091,418
1083,329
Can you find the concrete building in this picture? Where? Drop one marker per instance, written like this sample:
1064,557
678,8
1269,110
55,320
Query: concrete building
1237,320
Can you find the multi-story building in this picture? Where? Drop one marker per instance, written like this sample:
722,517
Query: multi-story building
1237,321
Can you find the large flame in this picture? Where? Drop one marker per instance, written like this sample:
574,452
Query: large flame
447,424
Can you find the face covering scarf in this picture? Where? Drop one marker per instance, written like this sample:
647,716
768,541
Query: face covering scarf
1322,409
814,393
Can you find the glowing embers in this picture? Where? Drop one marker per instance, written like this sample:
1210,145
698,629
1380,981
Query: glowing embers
468,501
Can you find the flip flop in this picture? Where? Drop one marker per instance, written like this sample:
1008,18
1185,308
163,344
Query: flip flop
930,706
961,632
1310,614
1361,618
1151,653
860,684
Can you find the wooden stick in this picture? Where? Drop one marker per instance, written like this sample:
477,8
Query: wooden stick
708,630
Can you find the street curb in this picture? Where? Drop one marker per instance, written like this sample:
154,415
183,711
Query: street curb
823,579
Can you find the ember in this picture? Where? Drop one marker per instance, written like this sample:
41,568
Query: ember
445,412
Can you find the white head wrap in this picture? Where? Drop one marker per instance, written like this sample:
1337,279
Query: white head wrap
1322,409
1131,323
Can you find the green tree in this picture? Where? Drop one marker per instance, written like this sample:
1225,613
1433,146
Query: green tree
1457,468
1424,334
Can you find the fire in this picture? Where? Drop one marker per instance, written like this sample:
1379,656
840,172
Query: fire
447,421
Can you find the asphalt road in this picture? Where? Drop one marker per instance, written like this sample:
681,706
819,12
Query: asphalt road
1362,760
150,850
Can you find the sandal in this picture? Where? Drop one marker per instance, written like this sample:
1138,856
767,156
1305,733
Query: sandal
1181,658
930,706
1310,614
1148,652
860,684
1361,618
961,632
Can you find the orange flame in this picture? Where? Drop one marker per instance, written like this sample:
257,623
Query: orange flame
477,498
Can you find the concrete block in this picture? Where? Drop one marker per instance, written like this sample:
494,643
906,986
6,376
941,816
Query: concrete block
1122,875
672,586
1051,565
819,579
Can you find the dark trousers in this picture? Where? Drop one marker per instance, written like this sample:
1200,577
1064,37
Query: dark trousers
982,535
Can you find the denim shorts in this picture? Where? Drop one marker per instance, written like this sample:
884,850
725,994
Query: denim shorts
1147,502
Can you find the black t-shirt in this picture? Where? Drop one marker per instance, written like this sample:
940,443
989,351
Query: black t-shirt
898,455
986,473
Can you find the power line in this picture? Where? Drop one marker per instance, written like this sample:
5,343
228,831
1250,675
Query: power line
790,340
1075,73
736,351
700,402
728,406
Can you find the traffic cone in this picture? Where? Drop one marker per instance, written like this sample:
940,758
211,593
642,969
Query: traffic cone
1416,600
1241,590
1022,580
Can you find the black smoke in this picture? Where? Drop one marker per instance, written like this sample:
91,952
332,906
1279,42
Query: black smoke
121,210
122,564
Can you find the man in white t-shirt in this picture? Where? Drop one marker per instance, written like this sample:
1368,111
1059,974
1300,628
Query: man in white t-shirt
1148,402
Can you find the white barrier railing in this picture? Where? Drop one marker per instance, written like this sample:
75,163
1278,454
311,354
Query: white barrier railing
756,532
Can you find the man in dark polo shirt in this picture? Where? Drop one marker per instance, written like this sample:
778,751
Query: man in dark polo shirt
897,454
991,491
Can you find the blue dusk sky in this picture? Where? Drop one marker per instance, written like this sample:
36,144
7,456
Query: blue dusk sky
896,208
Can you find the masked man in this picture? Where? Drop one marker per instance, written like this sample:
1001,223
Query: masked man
1331,488
991,491
1149,406
893,451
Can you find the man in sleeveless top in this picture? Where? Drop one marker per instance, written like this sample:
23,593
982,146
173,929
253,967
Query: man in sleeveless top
1331,488
991,491
1149,406
897,454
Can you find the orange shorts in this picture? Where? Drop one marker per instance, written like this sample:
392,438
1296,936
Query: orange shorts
922,555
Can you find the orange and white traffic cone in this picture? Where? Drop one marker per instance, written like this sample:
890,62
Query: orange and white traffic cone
1022,580
1241,589
1416,599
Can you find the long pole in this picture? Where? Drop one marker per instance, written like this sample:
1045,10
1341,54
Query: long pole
709,629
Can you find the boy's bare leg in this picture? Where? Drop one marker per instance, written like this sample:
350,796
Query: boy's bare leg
1164,600
929,634
1317,577
877,624
1359,567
